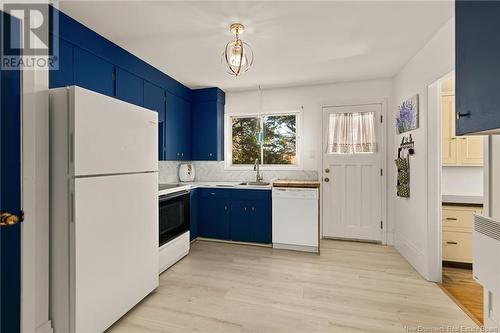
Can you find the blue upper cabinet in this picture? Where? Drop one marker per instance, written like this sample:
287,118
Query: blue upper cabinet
191,123
92,72
207,136
178,129
477,34
154,99
129,87
63,75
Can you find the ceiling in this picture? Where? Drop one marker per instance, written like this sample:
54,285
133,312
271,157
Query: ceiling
295,43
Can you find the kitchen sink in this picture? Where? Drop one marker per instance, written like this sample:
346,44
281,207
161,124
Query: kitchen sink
255,183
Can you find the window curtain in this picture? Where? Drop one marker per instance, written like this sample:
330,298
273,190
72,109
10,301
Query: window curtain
352,133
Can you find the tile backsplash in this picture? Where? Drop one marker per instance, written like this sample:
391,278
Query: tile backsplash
214,171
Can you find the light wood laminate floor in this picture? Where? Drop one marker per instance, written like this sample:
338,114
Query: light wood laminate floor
350,287
467,293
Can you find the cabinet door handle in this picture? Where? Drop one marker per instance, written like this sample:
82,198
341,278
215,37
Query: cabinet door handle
452,243
253,209
451,218
463,114
225,208
245,209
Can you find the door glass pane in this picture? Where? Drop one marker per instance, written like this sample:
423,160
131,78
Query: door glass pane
280,139
245,148
352,133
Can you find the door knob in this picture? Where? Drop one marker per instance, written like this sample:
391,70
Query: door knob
327,170
327,179
8,219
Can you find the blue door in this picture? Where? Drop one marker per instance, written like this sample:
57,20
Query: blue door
193,214
260,221
10,183
154,99
178,128
240,221
92,72
214,220
63,76
477,46
129,87
204,146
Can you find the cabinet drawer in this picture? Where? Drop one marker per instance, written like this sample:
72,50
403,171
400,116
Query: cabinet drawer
458,217
214,193
457,246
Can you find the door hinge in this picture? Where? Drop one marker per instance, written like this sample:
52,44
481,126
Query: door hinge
381,171
381,225
381,119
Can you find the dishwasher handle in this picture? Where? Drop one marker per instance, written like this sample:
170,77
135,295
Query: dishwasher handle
297,193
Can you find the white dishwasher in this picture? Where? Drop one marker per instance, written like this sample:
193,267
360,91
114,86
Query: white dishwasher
295,219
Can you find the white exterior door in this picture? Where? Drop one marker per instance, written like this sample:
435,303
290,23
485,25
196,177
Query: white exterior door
352,183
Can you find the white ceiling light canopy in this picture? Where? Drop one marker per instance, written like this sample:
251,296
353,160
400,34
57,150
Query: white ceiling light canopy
238,55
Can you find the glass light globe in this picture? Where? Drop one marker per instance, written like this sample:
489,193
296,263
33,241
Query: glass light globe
237,57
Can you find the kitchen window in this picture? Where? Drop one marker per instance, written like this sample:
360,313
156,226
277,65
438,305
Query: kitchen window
272,139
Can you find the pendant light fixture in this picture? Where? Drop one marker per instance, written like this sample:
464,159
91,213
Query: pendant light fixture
238,55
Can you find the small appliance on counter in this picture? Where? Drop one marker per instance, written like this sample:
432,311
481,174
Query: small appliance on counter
186,172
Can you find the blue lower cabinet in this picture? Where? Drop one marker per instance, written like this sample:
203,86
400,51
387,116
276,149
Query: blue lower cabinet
129,87
240,221
261,222
237,215
214,220
193,214
92,72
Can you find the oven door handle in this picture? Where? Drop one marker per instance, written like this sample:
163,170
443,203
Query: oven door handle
173,195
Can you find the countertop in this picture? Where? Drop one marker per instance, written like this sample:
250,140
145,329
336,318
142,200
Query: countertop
297,183
463,199
222,185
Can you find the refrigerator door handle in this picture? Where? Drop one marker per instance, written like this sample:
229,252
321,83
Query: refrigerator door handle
71,147
72,207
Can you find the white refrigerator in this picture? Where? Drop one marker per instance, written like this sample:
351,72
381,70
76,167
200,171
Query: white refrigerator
103,208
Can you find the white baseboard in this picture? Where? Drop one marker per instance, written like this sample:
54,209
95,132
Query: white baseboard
45,327
173,251
412,254
303,248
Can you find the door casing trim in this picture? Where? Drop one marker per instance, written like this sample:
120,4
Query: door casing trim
386,236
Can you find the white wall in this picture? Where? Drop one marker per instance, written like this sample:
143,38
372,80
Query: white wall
465,181
410,216
312,99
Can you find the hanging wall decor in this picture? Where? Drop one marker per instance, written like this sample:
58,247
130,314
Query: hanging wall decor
405,150
407,119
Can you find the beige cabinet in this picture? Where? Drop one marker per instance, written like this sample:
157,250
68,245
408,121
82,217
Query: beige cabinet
457,232
457,150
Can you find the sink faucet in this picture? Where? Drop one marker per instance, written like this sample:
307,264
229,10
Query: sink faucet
259,176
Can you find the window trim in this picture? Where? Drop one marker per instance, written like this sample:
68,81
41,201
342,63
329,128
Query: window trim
228,140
